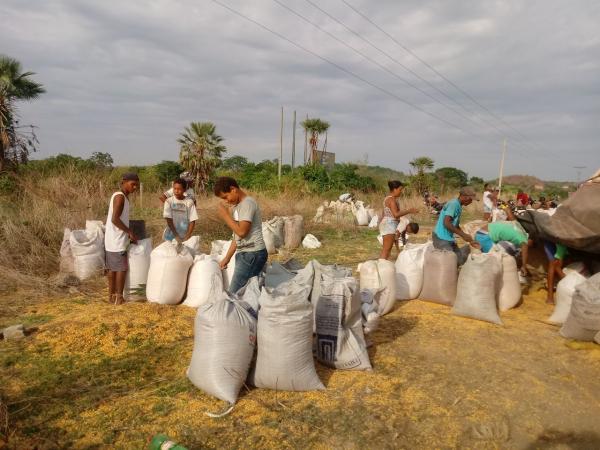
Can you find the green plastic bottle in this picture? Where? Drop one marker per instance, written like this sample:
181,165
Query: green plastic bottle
162,442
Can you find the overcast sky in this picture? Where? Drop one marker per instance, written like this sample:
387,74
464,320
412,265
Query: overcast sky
125,77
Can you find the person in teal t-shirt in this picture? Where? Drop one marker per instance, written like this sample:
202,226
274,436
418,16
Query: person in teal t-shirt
496,232
448,225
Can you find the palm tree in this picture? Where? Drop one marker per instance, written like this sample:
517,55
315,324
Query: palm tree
15,86
200,152
315,127
421,164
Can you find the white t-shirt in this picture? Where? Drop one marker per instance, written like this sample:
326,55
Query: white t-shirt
115,239
182,212
189,193
487,200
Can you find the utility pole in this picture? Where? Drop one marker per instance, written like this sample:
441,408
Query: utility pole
501,169
579,169
294,142
305,141
280,146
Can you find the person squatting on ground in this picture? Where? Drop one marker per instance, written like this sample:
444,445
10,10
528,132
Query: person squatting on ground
118,236
391,214
246,223
180,212
448,225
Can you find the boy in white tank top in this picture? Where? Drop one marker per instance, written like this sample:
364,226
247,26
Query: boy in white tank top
117,237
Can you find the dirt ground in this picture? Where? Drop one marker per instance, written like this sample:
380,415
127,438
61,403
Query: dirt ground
97,376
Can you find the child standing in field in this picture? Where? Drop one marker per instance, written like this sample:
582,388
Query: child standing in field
391,215
117,237
188,192
248,240
180,212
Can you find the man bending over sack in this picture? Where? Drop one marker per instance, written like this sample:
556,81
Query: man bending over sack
497,232
248,240
118,236
448,225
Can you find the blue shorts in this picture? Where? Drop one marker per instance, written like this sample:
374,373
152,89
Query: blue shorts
550,250
485,240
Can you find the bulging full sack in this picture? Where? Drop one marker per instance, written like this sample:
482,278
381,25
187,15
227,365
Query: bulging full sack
138,259
380,275
440,275
273,234
205,281
284,358
478,287
224,343
168,273
310,241
510,286
586,303
565,289
362,217
572,330
87,247
294,231
340,339
409,271
193,245
218,250
67,261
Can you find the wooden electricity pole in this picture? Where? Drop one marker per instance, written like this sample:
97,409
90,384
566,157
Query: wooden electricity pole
305,142
501,169
294,142
280,146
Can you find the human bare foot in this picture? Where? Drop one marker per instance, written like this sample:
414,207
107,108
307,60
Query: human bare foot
550,301
119,299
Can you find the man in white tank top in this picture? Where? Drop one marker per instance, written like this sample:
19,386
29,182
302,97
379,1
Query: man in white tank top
117,237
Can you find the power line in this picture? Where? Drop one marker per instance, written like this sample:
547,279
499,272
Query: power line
500,131
433,69
343,69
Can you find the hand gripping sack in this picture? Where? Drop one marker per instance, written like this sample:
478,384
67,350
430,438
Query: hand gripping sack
585,308
510,286
138,259
478,287
224,343
294,230
205,281
87,247
284,359
565,289
380,275
67,261
168,273
440,274
340,339
409,271
218,250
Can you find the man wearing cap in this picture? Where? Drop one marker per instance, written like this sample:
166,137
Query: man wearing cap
117,237
448,225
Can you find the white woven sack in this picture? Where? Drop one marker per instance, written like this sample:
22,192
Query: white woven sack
478,287
370,308
205,281
572,330
168,273
284,358
585,308
597,338
362,217
138,260
340,339
269,239
409,271
224,343
91,225
374,223
440,275
87,247
67,262
380,275
276,225
564,296
193,245
510,286
293,231
311,242
218,250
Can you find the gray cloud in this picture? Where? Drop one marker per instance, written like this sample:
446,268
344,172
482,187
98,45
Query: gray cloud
126,77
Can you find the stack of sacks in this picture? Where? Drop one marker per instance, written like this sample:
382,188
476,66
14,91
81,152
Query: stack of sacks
440,275
583,321
478,287
205,281
380,275
167,276
339,330
409,271
138,261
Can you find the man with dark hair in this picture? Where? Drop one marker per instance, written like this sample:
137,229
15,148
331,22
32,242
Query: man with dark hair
117,237
246,224
448,225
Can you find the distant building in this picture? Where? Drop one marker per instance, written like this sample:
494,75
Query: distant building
326,159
